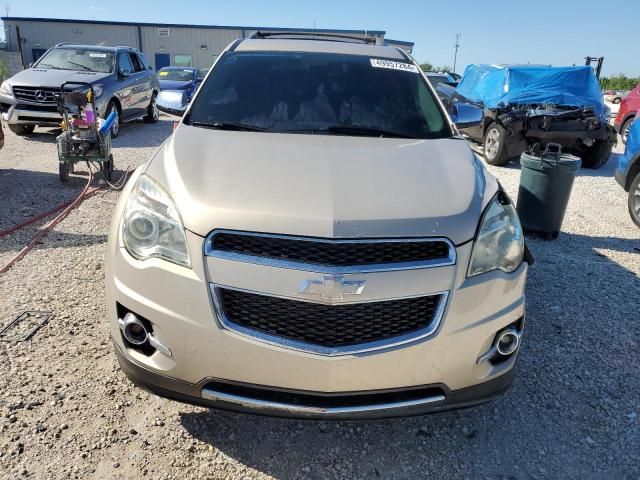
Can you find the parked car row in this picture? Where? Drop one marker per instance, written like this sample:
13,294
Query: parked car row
122,78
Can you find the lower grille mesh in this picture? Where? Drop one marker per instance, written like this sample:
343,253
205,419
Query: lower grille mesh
328,325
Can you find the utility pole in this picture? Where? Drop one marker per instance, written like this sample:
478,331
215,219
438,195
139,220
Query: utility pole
455,55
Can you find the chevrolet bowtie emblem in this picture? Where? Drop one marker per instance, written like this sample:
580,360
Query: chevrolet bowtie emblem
332,287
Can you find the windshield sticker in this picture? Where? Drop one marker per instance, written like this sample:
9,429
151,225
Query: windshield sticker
163,74
405,67
98,55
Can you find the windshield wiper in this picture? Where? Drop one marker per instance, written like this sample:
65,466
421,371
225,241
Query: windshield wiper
46,65
244,127
87,69
365,131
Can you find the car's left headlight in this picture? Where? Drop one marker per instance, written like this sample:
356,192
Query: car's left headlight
5,89
499,243
151,225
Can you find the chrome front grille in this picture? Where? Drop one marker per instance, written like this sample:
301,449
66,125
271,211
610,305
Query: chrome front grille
329,296
331,255
41,95
328,325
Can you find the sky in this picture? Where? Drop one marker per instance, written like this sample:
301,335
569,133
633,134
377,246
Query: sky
557,32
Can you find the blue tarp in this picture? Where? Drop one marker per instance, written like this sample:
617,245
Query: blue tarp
496,86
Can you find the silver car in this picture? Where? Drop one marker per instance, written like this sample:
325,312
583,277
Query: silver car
121,77
317,240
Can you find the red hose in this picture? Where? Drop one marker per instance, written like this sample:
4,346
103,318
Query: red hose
35,219
68,206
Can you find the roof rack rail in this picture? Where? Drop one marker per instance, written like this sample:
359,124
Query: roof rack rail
65,43
312,35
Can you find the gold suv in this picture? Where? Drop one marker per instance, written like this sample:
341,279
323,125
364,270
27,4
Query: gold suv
315,239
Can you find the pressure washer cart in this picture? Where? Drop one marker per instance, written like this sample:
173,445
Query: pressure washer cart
83,139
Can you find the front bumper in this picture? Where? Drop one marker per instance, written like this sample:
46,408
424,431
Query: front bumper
257,399
26,113
184,319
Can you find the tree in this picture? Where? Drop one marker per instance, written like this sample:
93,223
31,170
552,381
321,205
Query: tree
618,82
426,67
4,72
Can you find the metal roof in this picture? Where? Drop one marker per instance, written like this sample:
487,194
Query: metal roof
179,25
321,46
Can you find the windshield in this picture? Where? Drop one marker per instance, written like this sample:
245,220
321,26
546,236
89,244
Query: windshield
77,59
319,92
176,75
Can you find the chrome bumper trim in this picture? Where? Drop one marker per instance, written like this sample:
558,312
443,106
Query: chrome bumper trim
255,404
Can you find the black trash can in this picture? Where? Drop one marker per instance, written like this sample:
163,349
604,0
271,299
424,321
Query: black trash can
545,187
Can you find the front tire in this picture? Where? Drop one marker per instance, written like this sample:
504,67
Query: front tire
495,145
626,127
22,130
634,200
597,155
153,114
115,128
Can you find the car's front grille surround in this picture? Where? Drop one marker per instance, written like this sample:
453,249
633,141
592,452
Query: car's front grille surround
331,255
324,329
30,94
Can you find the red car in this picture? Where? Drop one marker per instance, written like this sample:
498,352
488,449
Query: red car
628,109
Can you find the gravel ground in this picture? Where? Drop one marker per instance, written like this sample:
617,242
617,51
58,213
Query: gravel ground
66,410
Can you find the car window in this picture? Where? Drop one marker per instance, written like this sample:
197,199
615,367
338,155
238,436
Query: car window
77,59
143,61
202,73
124,64
297,92
175,74
137,66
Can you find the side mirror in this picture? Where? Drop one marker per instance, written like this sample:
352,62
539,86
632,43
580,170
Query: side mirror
124,73
173,102
31,65
465,115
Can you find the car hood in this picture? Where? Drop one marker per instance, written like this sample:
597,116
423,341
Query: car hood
324,186
48,77
175,84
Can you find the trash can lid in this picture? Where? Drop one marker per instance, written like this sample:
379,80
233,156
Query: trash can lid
550,160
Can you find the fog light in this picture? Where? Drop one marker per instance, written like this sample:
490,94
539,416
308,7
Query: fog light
134,330
508,341
138,335
505,344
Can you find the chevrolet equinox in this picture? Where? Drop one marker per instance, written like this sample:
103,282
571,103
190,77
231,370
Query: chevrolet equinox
317,240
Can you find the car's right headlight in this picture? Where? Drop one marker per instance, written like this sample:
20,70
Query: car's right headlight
151,224
5,89
499,244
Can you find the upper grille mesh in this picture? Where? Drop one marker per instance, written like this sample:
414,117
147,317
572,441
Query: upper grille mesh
29,94
330,252
328,325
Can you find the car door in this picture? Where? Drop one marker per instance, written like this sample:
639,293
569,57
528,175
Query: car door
126,86
144,89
